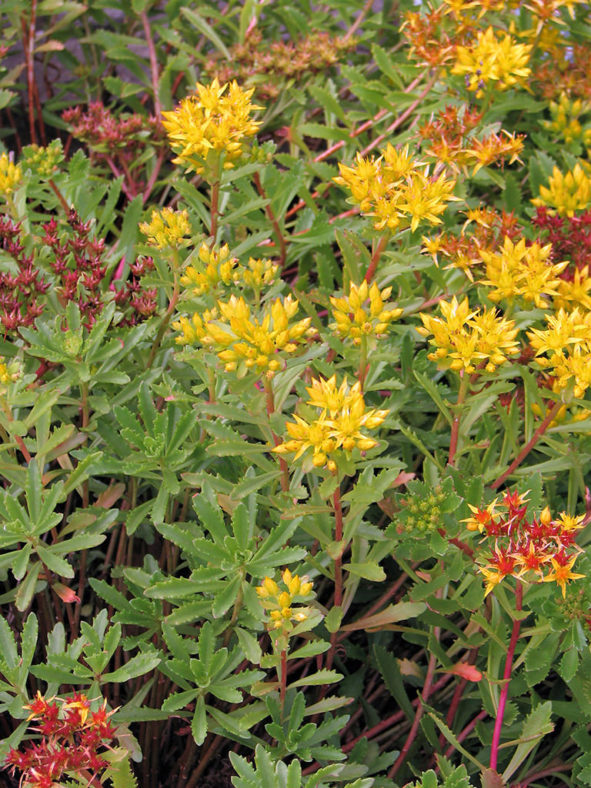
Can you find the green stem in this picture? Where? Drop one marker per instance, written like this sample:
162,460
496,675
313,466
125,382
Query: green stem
282,680
169,312
214,211
455,427
270,402
363,366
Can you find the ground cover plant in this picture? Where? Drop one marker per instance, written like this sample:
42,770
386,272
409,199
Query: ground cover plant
295,360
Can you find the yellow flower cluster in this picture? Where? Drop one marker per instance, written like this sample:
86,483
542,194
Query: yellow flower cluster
563,349
490,60
43,161
396,189
167,229
242,341
214,121
469,339
219,267
565,119
356,319
575,292
258,273
520,270
568,193
10,175
495,148
338,427
280,603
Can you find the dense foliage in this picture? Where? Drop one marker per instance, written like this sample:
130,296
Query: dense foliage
294,394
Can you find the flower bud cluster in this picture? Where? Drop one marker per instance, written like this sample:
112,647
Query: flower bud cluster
278,601
43,162
278,61
77,259
424,514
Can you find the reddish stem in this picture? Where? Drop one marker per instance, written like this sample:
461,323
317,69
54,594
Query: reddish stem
29,45
529,445
375,258
273,219
494,752
153,64
59,195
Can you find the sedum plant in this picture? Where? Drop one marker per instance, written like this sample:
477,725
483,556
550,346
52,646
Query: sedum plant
294,394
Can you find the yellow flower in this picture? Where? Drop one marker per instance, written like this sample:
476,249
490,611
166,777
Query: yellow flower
494,148
562,573
492,60
568,193
214,121
568,522
520,270
242,341
10,175
194,329
279,603
256,274
167,228
396,190
218,267
356,319
338,427
575,292
480,517
465,339
564,350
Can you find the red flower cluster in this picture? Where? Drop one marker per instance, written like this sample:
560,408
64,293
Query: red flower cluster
109,135
72,740
18,293
78,261
570,237
141,300
523,546
447,132
485,229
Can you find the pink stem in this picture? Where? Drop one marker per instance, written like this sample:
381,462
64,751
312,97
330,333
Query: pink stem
494,752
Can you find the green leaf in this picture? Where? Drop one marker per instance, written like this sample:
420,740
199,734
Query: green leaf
199,721
205,28
536,725
249,645
137,666
390,672
27,587
226,598
368,570
321,677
